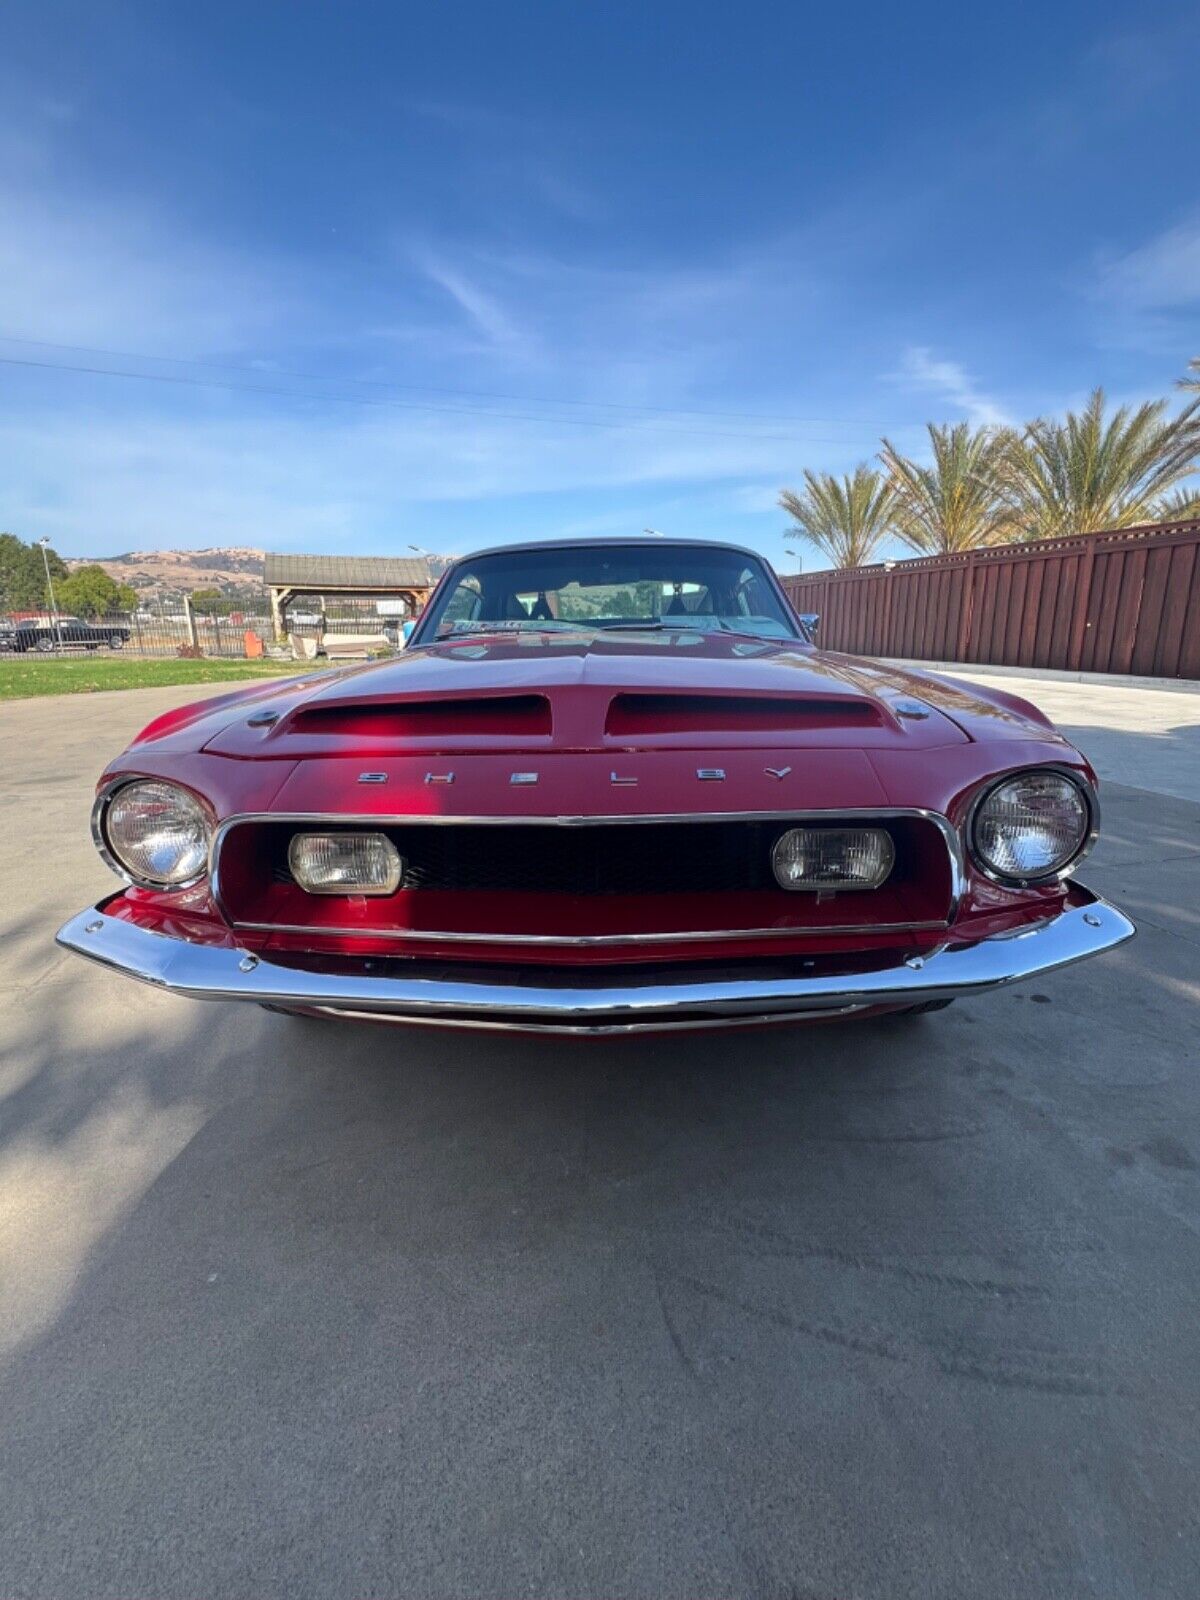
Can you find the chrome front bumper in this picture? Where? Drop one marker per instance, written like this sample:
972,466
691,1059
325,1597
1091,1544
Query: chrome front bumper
573,1003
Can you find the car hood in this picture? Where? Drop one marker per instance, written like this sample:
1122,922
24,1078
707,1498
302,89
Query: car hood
594,691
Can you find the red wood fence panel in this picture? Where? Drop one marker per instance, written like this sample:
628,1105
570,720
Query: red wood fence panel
1127,601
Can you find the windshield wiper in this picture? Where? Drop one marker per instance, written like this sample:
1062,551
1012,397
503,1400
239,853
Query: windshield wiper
641,627
691,627
472,630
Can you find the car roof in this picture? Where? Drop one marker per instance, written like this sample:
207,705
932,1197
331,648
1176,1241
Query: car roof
609,540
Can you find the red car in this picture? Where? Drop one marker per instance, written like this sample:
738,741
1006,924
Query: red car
611,786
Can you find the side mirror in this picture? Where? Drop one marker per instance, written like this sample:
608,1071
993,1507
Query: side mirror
808,623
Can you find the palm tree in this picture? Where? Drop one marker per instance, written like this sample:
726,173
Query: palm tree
958,502
1192,380
1182,506
1086,473
846,518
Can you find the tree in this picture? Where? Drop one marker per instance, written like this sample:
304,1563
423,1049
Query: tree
214,602
1192,380
1087,472
90,592
1182,506
23,574
845,518
957,502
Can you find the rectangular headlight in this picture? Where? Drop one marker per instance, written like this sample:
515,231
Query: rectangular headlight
345,863
833,858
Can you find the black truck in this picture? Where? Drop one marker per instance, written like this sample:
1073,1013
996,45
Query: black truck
62,633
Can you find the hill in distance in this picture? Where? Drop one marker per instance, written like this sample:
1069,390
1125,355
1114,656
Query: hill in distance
234,569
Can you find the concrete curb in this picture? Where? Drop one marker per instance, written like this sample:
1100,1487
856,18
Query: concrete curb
1053,675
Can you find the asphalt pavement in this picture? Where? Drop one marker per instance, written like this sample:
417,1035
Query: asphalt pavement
887,1309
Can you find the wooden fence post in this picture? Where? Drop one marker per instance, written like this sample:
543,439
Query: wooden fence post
1084,599
966,611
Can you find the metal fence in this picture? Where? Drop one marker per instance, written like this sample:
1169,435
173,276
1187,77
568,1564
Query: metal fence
1125,602
140,633
218,631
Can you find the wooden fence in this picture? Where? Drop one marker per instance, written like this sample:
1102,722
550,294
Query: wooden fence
1126,601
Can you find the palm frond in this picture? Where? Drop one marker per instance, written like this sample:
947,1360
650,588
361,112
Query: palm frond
1191,380
1088,472
958,501
845,518
1182,506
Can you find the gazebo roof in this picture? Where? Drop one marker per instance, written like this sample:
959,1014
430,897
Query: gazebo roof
365,573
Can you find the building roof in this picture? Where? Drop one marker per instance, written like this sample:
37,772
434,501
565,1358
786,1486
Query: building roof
346,572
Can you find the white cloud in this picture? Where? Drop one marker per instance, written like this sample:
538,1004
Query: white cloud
85,269
98,484
106,463
755,498
920,369
482,309
110,463
1160,275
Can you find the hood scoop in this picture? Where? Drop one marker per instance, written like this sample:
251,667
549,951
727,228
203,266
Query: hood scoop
652,716
401,725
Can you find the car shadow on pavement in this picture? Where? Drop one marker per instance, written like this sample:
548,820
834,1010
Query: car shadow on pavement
313,1307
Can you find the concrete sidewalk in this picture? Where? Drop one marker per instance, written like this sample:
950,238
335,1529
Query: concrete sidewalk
889,1309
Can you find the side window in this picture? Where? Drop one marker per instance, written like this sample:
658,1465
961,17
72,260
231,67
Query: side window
464,604
749,597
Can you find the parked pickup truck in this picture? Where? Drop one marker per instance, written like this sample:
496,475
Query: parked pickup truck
67,633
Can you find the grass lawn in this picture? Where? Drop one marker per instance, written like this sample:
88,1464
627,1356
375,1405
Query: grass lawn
27,675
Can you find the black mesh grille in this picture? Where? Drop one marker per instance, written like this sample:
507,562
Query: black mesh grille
658,858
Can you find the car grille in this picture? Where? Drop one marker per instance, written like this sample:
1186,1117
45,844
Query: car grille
652,858
534,883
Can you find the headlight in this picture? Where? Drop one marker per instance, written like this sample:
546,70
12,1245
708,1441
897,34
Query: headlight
1030,827
833,858
345,863
156,832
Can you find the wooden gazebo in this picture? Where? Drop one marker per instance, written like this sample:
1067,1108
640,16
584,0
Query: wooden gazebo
405,578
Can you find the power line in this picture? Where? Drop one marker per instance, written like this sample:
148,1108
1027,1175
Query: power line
407,405
427,388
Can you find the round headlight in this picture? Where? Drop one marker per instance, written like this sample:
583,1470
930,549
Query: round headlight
1030,826
158,833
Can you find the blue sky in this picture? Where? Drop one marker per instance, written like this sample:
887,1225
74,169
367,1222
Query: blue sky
499,270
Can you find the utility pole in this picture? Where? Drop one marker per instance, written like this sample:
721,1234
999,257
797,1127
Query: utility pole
44,544
189,617
436,565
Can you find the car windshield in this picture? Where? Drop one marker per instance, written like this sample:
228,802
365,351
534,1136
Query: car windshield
660,586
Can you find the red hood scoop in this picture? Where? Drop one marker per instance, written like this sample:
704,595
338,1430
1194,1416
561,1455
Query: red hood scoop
699,691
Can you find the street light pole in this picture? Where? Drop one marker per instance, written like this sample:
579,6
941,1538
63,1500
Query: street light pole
44,543
437,564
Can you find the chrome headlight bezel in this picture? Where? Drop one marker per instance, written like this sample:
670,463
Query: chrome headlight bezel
1088,837
111,856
